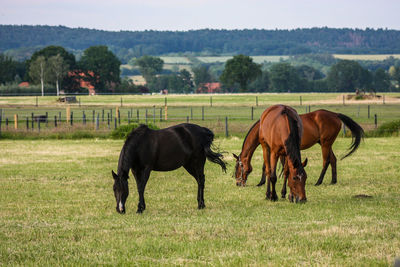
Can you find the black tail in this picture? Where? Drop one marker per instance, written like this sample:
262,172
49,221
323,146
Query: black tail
357,133
212,156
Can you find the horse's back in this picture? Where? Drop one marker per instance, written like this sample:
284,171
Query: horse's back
273,122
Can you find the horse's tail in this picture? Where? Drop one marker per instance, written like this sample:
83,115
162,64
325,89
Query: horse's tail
212,156
357,133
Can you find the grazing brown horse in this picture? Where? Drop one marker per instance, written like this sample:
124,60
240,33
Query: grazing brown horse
320,126
280,135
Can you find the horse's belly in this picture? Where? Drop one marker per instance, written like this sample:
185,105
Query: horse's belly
168,164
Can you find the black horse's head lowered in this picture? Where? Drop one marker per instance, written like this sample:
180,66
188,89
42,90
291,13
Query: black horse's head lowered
121,191
184,145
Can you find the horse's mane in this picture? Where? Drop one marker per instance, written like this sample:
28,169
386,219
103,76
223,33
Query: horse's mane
293,142
125,158
251,128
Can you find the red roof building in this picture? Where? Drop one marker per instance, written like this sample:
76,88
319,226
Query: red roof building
209,88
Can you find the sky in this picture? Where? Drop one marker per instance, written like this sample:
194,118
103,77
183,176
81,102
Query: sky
183,15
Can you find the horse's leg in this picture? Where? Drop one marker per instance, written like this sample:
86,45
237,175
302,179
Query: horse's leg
141,180
262,181
273,178
285,176
196,169
266,154
332,159
325,156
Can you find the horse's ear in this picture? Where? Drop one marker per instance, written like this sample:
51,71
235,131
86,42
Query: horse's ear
235,156
305,162
114,175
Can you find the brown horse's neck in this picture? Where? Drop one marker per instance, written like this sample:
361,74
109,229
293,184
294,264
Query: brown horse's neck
250,143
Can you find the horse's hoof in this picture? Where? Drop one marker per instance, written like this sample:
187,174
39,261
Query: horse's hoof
261,183
318,183
333,182
139,211
283,196
201,206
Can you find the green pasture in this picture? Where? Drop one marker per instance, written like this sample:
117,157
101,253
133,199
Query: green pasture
58,208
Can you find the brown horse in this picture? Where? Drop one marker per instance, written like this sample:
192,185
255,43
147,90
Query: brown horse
280,135
320,126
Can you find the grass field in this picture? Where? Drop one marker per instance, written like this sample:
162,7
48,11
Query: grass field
58,208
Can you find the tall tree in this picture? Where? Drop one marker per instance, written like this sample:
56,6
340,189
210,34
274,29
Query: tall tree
58,70
149,66
101,67
202,75
187,81
381,80
346,75
261,84
38,71
240,69
284,77
8,69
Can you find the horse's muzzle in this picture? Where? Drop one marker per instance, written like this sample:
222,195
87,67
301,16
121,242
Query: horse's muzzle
240,184
120,210
301,201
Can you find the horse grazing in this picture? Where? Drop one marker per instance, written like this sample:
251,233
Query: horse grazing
280,135
186,145
320,126
323,126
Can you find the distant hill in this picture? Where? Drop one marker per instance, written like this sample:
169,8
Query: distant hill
20,41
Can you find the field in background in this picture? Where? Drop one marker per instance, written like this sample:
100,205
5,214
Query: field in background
240,110
366,57
58,208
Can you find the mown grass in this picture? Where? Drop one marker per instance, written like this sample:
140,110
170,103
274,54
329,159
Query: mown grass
57,208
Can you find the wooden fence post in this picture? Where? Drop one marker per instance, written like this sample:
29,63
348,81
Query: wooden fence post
376,121
15,121
166,112
226,127
202,113
68,111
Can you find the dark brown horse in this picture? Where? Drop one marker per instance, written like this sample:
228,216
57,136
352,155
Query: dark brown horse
186,145
280,136
320,126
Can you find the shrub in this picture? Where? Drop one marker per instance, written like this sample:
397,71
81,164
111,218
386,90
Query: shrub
122,131
387,129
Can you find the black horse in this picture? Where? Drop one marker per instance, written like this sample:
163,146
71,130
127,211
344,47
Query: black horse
186,145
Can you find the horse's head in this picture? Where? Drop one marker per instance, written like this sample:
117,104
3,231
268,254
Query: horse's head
297,184
242,170
121,191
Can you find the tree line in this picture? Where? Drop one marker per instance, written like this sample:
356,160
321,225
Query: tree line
57,69
19,41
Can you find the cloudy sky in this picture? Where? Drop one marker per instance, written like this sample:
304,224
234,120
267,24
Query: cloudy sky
133,15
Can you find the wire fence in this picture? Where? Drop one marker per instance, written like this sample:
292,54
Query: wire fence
222,119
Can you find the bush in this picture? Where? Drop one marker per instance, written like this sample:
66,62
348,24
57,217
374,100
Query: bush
387,129
122,131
